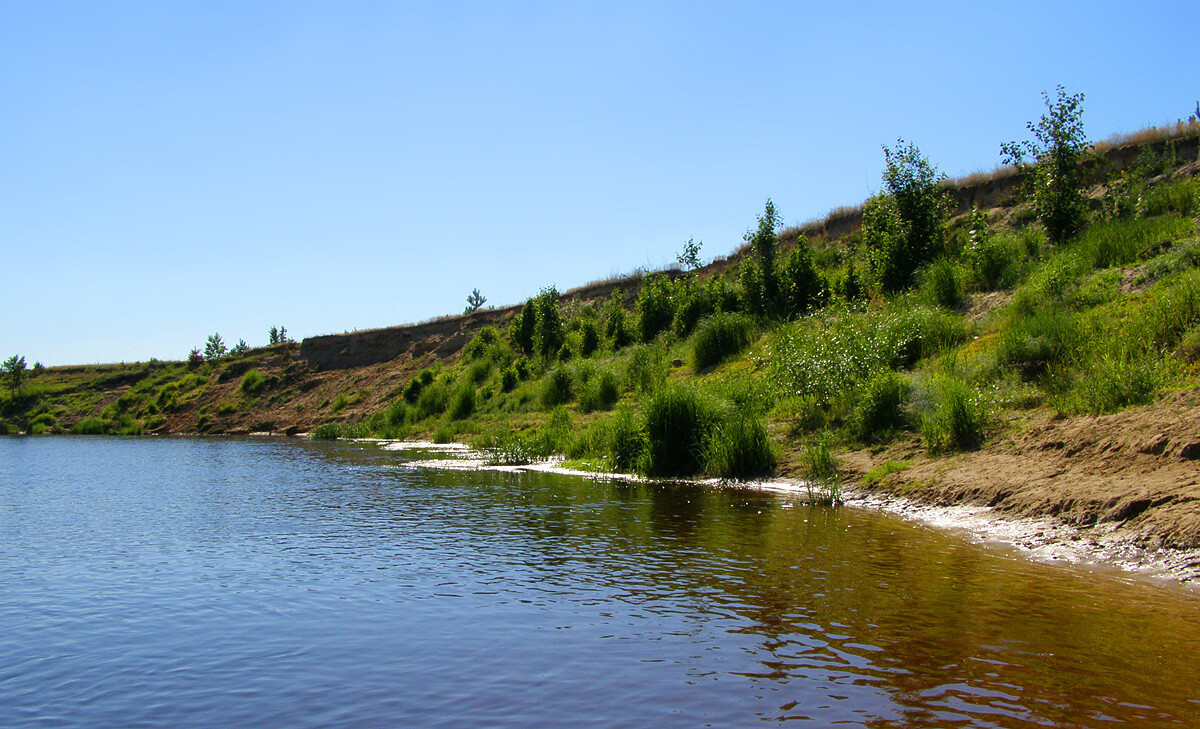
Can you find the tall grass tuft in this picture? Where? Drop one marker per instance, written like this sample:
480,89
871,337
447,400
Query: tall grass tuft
942,283
557,388
881,406
953,417
718,337
1117,380
822,474
600,392
738,447
1031,344
626,441
677,422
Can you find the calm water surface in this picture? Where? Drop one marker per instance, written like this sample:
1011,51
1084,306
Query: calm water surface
210,582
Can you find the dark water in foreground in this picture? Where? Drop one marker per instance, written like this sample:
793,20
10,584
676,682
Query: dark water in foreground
201,583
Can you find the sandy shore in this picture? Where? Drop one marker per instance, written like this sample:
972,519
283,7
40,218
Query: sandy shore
1103,546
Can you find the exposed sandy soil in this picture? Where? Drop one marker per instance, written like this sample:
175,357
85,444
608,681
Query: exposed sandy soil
1127,480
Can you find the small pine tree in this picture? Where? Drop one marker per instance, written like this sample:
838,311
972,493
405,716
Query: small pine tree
14,373
214,348
475,301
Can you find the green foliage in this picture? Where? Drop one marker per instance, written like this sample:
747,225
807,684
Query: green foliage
549,334
752,293
689,257
1120,242
253,383
626,441
509,378
646,368
718,337
1055,171
738,447
942,283
830,355
994,261
524,326
557,388
801,287
692,303
433,400
1180,197
475,301
91,425
600,392
277,335
821,471
1033,343
763,241
677,423
14,373
881,406
654,306
462,401
953,416
1116,379
239,349
589,338
905,226
214,348
617,331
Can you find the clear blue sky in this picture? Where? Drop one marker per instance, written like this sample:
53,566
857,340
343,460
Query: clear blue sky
174,169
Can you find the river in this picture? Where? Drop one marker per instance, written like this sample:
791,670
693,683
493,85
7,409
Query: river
203,582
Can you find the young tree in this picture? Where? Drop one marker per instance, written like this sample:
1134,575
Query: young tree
689,257
240,348
214,348
14,373
763,240
907,223
1053,164
616,324
475,301
802,288
548,335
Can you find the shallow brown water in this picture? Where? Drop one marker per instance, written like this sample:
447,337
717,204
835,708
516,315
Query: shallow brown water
179,582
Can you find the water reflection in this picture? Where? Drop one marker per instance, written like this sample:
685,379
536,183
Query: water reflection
326,584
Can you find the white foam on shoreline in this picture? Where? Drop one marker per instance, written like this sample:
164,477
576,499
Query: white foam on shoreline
1102,548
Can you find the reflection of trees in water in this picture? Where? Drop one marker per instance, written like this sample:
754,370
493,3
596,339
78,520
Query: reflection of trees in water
914,620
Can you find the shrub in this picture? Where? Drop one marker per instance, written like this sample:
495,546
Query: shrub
1033,343
693,304
942,283
801,287
557,388
646,369
908,224
91,425
600,392
880,410
627,441
509,378
654,307
433,400
549,334
617,331
462,401
589,338
738,447
822,474
677,424
327,431
253,383
954,417
1055,174
763,241
718,337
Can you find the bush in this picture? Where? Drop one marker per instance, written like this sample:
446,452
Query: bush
1055,174
677,424
253,383
627,441
655,308
718,337
954,417
91,425
646,369
509,378
327,431
907,225
1033,343
462,401
942,283
880,410
822,474
589,338
557,388
433,400
600,392
738,447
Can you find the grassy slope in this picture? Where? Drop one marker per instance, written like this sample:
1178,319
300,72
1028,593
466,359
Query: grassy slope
935,376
